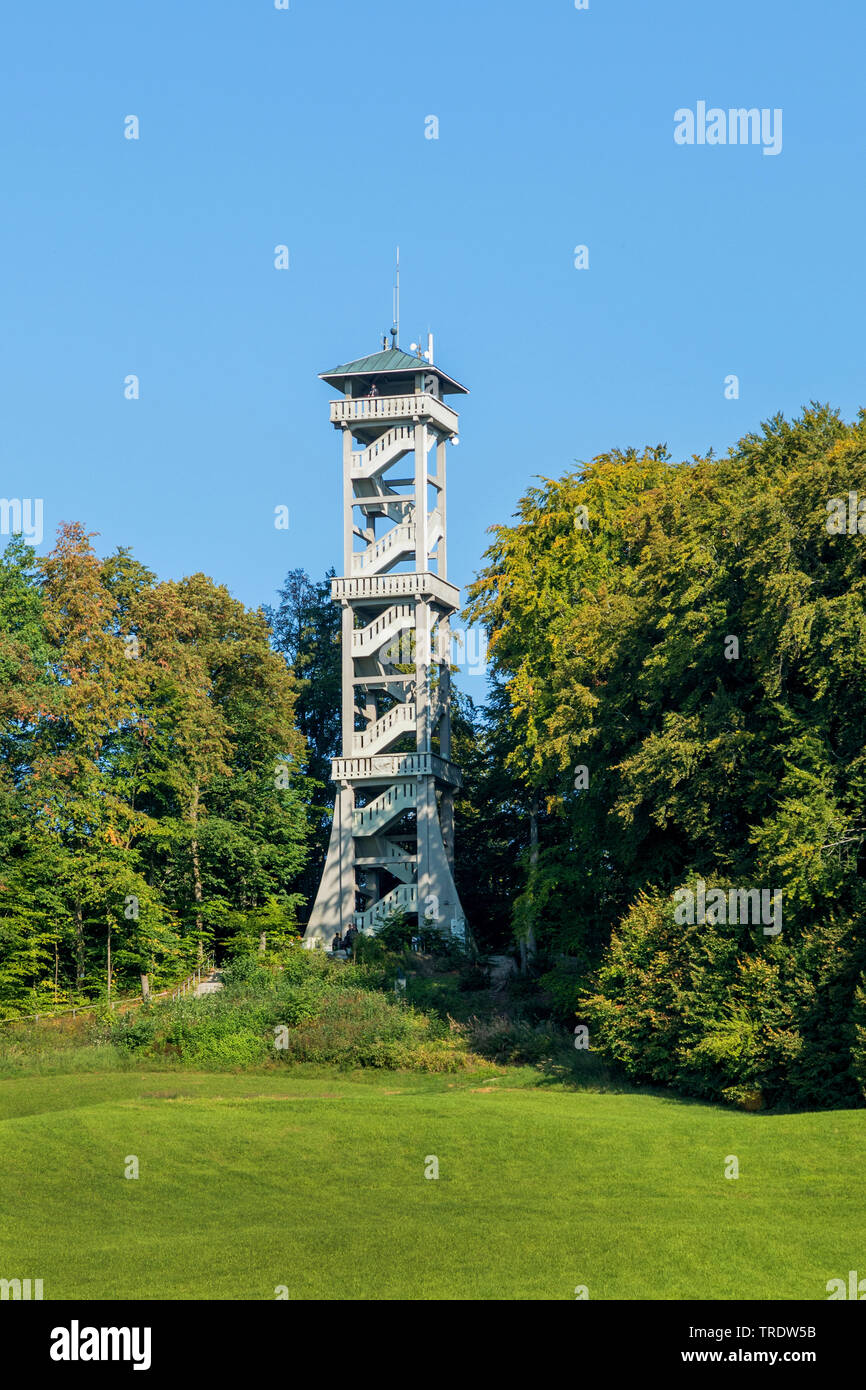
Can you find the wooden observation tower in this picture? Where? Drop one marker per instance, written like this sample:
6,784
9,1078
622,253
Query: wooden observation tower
392,841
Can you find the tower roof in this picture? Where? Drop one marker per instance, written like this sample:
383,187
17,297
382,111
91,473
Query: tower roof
391,362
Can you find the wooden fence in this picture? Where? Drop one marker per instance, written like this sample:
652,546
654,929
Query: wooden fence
132,1001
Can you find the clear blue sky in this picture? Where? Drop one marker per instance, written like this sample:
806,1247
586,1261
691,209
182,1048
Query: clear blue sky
306,127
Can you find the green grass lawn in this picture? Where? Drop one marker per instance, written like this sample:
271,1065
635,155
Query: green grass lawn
316,1181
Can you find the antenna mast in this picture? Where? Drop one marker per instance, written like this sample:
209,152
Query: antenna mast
395,331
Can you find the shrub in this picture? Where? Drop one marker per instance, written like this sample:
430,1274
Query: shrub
299,1002
244,970
333,1012
474,975
396,932
134,1031
505,1039
297,964
717,1011
564,984
365,1029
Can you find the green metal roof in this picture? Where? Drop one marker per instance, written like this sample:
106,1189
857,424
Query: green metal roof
378,362
390,362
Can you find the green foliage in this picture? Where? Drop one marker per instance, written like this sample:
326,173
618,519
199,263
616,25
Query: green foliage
152,798
564,984
245,972
515,1042
474,974
310,1010
714,1011
489,820
265,930
359,1028
610,630
610,605
396,932
305,628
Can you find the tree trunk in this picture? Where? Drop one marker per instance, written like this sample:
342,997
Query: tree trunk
196,871
145,987
528,945
78,928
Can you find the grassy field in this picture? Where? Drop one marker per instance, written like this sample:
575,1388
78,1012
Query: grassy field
314,1179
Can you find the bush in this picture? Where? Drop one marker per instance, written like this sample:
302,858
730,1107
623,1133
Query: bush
441,997
244,970
396,932
134,1031
713,1010
357,1028
297,963
474,975
448,953
564,984
300,1002
333,1012
516,1041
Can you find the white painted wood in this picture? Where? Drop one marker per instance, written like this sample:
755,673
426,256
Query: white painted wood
386,586
371,410
380,605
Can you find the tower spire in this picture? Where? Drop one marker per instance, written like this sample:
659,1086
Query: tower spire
395,330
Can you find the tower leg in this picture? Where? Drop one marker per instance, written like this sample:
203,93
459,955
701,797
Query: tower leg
438,899
446,820
334,908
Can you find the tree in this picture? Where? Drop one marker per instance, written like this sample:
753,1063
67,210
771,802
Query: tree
227,758
152,786
701,680
306,631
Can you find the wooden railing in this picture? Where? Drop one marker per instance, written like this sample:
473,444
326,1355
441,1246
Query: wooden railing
404,897
397,721
400,539
191,980
385,808
387,448
362,409
381,586
383,767
130,1001
374,636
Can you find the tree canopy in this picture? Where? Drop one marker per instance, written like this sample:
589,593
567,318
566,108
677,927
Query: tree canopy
151,779
680,650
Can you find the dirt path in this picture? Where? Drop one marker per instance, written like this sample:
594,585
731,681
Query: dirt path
210,984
